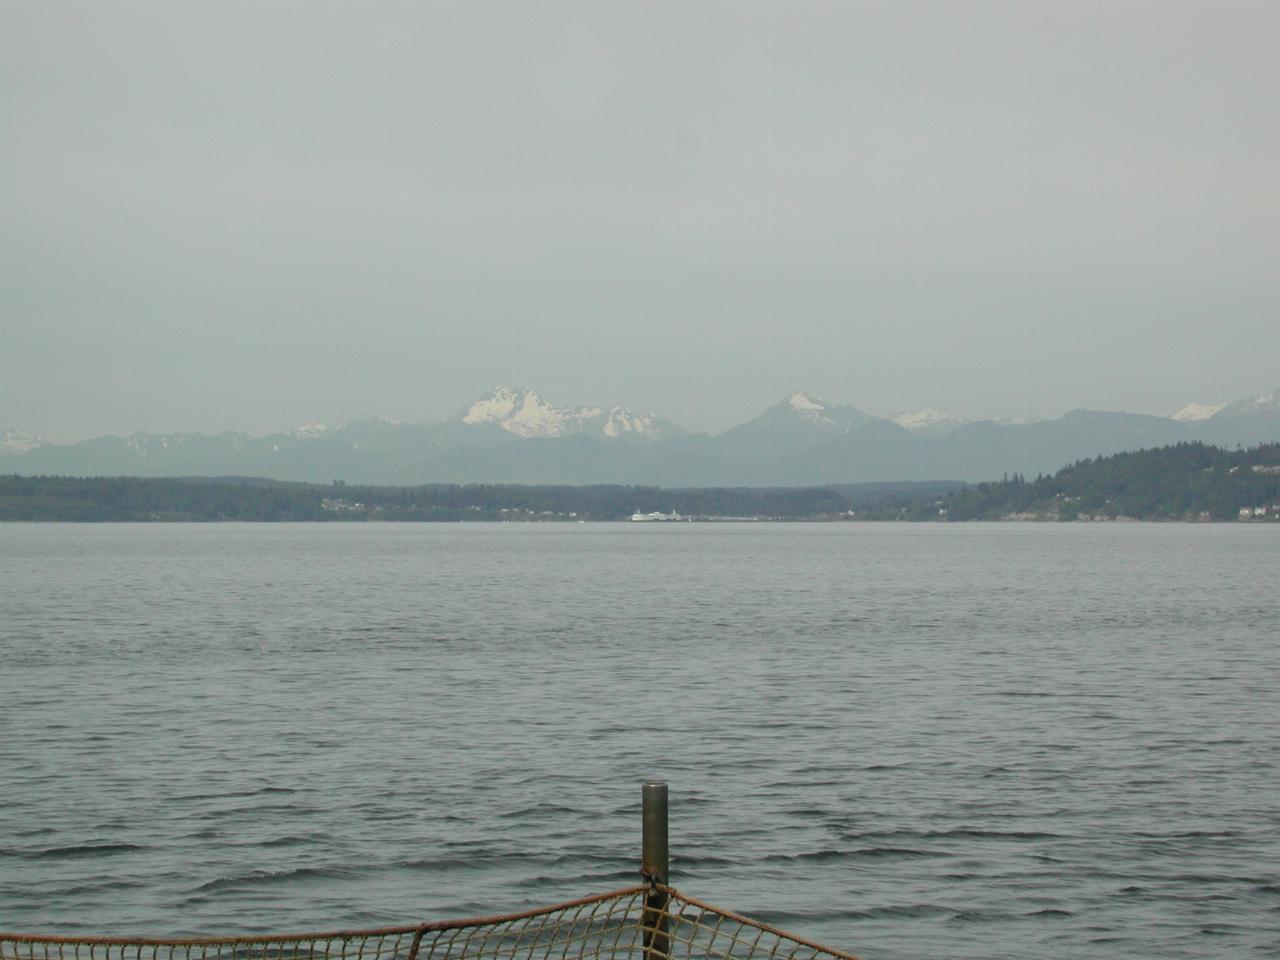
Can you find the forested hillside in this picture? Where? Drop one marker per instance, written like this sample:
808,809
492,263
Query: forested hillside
1187,481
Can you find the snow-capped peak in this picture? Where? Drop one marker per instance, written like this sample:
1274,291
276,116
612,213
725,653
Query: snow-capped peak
1195,411
803,403
497,404
521,412
15,442
802,410
1262,403
809,408
1259,404
308,430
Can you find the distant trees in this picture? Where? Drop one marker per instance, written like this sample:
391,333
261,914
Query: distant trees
1187,481
1183,481
148,499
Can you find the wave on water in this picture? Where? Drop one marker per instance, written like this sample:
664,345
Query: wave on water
230,794
287,841
979,916
474,860
293,809
541,811
106,886
806,919
958,833
75,851
825,856
260,877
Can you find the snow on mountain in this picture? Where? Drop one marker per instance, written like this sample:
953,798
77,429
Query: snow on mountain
1018,421
1262,403
520,411
804,409
1195,411
926,421
800,420
144,443
308,430
16,442
496,405
620,421
809,408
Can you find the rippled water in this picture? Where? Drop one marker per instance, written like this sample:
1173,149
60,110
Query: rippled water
908,741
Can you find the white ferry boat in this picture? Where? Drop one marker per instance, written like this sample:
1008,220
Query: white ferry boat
655,517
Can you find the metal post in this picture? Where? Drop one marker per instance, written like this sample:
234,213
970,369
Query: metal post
656,867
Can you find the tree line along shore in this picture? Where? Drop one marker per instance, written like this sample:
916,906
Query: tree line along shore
1186,481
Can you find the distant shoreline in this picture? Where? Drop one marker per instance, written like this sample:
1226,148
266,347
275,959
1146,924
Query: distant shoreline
1189,482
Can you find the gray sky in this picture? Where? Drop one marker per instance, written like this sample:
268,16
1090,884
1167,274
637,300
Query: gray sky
249,215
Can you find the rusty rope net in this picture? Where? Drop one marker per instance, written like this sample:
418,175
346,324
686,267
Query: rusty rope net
648,922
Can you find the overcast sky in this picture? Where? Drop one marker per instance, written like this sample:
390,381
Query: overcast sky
251,215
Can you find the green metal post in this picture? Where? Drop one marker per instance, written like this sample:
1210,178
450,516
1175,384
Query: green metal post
656,923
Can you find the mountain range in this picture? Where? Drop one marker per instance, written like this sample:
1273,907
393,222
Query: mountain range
512,435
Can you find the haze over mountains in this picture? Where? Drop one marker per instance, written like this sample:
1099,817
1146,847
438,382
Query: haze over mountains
512,435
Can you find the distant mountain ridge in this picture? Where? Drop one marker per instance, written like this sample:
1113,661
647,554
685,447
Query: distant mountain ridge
513,435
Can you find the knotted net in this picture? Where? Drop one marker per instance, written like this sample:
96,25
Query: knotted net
648,922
